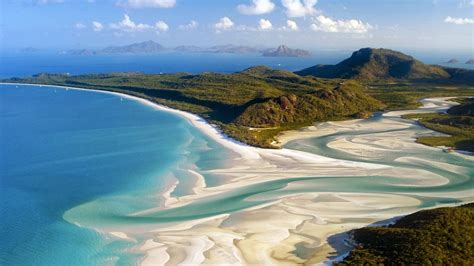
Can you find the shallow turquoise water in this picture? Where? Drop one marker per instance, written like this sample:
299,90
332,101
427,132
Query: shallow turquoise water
62,148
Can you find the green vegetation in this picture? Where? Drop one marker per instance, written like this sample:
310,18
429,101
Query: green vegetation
442,236
252,106
371,65
458,123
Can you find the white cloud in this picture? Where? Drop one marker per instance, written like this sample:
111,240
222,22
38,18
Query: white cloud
128,25
97,26
147,3
300,8
258,7
290,26
190,26
326,24
224,23
265,24
80,26
459,21
161,26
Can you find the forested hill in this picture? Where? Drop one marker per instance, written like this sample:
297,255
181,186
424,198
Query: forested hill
371,65
442,236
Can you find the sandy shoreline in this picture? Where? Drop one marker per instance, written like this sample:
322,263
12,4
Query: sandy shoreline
268,234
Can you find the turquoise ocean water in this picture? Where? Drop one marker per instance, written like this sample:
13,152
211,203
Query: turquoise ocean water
62,148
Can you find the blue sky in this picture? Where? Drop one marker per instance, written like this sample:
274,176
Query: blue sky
310,24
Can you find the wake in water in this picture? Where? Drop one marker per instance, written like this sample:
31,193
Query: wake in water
290,205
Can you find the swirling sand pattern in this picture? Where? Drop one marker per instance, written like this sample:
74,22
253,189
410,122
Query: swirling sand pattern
293,205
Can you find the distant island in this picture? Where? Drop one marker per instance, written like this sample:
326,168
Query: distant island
452,61
470,62
147,47
228,48
151,47
284,51
256,104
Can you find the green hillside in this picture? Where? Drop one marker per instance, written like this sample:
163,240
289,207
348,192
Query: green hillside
258,97
442,236
371,65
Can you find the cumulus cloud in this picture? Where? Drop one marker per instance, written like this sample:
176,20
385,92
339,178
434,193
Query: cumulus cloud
265,24
326,24
80,26
190,26
161,26
128,25
300,8
147,3
97,26
224,23
459,21
290,26
258,7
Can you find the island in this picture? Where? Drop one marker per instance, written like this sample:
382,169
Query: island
452,61
470,62
285,51
148,47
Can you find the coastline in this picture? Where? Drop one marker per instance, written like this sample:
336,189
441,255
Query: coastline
271,230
